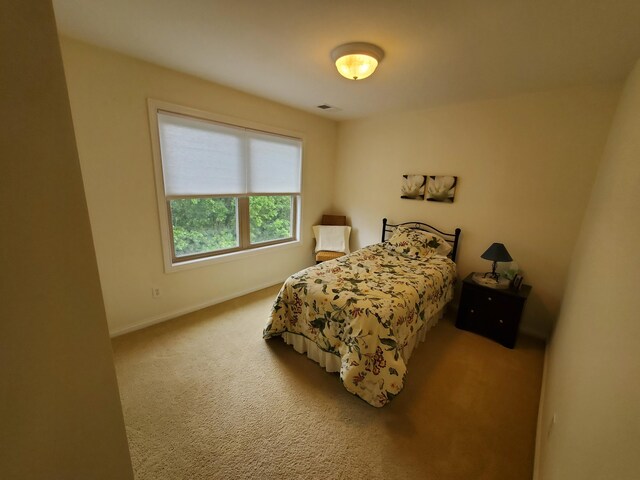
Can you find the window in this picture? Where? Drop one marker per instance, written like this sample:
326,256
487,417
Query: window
222,188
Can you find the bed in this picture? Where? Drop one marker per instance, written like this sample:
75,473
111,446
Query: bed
362,314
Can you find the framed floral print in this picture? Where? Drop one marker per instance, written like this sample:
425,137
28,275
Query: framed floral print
441,188
413,187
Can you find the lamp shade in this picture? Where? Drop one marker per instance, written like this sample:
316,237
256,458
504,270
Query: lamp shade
357,60
497,253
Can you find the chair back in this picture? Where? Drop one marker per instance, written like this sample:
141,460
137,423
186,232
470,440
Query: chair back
339,220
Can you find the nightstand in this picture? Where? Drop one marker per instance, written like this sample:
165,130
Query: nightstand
492,312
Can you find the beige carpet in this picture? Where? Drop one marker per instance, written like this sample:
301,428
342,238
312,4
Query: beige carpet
205,397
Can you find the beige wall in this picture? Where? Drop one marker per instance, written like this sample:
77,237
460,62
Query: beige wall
108,95
593,371
59,406
525,166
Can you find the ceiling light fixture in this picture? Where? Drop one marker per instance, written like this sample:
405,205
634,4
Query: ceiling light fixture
357,60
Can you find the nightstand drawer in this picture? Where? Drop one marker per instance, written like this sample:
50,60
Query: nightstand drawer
503,330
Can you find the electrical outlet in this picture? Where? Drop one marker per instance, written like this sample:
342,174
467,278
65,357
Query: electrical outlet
552,422
155,292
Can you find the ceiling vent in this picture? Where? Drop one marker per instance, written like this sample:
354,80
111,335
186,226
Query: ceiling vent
324,106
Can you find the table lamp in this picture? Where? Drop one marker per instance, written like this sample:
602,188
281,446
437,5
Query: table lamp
496,253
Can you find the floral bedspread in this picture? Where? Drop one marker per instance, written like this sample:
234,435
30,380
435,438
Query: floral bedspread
364,307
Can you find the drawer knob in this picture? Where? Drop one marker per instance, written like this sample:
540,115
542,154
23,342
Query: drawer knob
489,298
472,311
500,321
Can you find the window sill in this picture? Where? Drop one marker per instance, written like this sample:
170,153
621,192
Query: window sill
228,257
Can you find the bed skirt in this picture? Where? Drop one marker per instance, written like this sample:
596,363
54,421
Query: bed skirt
332,363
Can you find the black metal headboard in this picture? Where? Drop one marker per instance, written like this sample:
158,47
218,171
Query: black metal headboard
451,238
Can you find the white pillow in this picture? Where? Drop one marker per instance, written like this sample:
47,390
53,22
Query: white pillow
332,238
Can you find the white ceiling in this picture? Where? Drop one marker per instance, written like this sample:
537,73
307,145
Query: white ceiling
436,51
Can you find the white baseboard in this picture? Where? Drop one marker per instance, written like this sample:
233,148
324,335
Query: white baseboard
532,332
183,311
540,431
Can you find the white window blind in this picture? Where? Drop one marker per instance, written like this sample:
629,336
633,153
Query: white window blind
201,157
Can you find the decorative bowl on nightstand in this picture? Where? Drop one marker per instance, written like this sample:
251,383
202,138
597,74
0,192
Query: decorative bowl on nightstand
487,281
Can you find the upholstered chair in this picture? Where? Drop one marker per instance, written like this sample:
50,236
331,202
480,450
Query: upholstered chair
332,237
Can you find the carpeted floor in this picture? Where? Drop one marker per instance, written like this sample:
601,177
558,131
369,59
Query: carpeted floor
205,397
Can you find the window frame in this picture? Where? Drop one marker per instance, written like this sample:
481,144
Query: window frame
245,248
243,227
